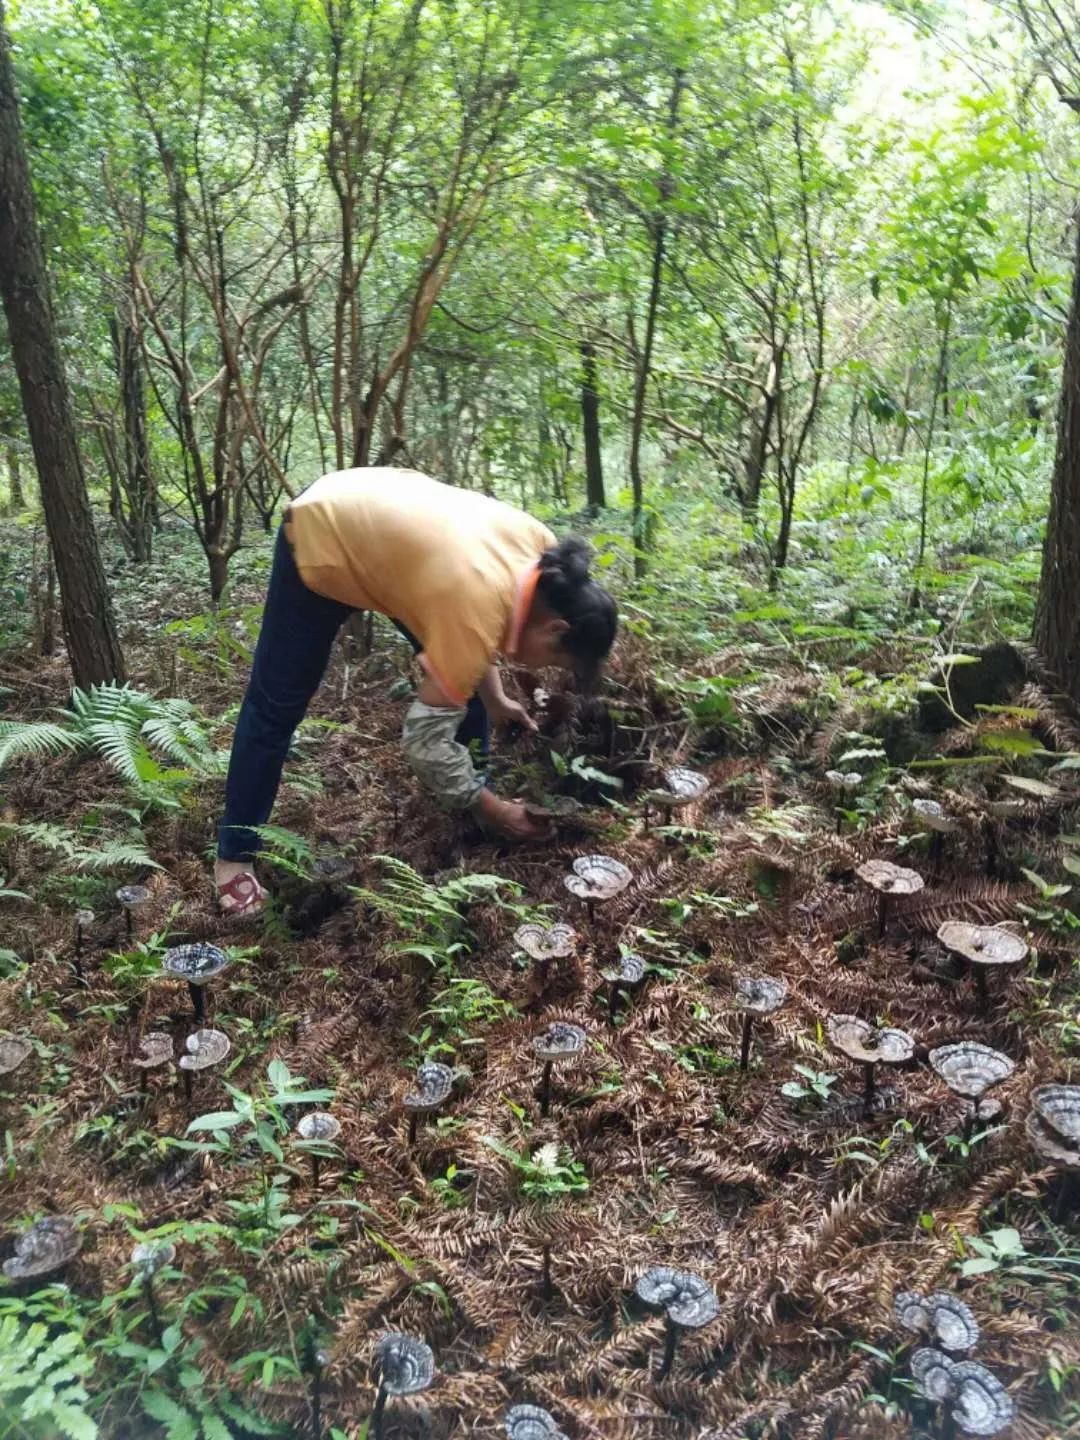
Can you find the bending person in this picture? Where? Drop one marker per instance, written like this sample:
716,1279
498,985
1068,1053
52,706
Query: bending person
465,578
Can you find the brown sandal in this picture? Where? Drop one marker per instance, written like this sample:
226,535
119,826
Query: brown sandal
242,895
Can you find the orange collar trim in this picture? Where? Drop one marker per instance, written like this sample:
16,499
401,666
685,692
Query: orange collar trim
523,599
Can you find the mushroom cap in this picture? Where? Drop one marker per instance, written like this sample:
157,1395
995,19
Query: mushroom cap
1038,788
529,1422
932,1373
941,1316
434,1081
318,1125
970,1069
889,879
331,869
13,1051
1058,1108
1049,1146
597,877
404,1366
1005,809
759,994
981,1404
84,918
682,787
198,964
859,1040
131,896
982,944
689,1301
157,1049
933,817
630,971
545,943
48,1245
205,1048
150,1256
560,1041
845,780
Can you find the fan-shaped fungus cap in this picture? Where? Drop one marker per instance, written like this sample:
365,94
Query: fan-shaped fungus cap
206,1048
979,1402
844,780
688,1301
197,964
940,1316
862,1041
933,817
982,944
970,1069
433,1085
48,1245
560,1041
597,877
529,1422
1049,1146
759,994
404,1366
681,787
1058,1108
932,1373
545,943
889,879
83,918
319,1125
13,1051
150,1256
630,971
331,869
157,1050
132,896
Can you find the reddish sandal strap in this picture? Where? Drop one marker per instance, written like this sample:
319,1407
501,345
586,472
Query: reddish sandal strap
243,891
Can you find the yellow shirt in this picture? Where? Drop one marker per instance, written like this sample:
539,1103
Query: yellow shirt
457,568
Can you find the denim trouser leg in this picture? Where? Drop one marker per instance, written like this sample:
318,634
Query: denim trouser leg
293,649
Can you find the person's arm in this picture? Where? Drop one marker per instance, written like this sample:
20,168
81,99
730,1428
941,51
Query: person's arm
445,767
500,708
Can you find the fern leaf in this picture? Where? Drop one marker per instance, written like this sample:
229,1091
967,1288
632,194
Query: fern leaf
41,737
179,1423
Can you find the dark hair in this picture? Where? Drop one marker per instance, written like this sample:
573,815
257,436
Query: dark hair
566,589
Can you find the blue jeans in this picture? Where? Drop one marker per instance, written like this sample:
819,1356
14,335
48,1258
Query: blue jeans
293,650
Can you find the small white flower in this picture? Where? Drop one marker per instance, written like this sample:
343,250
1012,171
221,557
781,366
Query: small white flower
547,1157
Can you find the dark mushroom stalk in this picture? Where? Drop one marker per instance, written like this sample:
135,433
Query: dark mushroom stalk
688,1302
681,787
434,1082
545,943
934,820
983,946
623,978
148,1258
888,880
970,1070
83,920
756,996
869,1047
157,1050
319,1360
403,1366
596,878
559,1043
198,964
131,897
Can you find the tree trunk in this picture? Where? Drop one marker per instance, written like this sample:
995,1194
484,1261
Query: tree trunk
137,481
595,498
1057,617
86,608
16,498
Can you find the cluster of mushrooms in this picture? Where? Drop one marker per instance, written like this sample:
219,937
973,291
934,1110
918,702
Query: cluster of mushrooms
971,1397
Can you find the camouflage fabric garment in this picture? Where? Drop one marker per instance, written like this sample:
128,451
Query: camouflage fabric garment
439,762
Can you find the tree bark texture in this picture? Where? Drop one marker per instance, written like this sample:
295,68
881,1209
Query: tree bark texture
1057,617
590,424
86,608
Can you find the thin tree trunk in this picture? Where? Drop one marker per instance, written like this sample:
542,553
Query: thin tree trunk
16,498
641,385
924,498
89,628
1057,616
590,424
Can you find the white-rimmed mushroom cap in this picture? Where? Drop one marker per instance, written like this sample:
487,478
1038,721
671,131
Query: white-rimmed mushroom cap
970,1069
48,1245
14,1049
434,1081
318,1125
83,918
541,942
1058,1107
132,896
157,1050
932,1373
864,1042
205,1048
150,1256
933,817
845,781
681,787
597,877
688,1300
760,994
629,971
198,964
559,1042
981,1404
982,944
889,879
940,1316
529,1422
403,1365
1049,1146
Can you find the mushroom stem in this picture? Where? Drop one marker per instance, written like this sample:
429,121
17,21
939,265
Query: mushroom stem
545,1090
839,820
981,988
413,1118
882,912
991,850
948,1424
613,998
314,1172
198,1002
868,1089
127,922
590,910
747,1031
151,1301
316,1402
937,847
671,1340
548,1290
377,1414
187,1085
645,817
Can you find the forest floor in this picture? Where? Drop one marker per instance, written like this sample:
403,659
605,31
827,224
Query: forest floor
804,1214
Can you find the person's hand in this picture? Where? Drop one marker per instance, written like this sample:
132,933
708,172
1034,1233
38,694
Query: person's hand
509,818
511,712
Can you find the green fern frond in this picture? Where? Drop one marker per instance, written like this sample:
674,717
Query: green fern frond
34,737
40,1374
